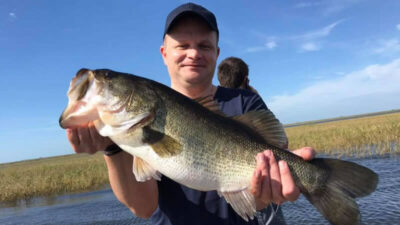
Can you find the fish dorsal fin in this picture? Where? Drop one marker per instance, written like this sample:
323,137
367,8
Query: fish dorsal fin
267,125
162,144
143,171
209,103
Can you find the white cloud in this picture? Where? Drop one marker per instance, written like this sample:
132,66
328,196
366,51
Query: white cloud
12,16
256,49
271,45
305,39
388,47
374,88
338,5
340,73
308,4
328,7
398,26
323,32
267,46
310,46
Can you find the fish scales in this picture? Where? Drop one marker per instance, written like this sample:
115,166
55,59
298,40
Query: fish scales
223,142
217,144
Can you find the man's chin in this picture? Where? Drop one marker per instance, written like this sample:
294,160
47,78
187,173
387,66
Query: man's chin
194,69
193,73
196,78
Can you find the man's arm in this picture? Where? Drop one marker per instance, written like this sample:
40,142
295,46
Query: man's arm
140,197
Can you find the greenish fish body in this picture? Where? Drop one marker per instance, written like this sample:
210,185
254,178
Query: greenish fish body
196,146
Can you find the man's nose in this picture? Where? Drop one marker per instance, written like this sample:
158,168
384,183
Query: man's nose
194,53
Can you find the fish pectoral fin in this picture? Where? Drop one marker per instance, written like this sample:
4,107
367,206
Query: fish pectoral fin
242,202
162,144
107,130
267,125
143,171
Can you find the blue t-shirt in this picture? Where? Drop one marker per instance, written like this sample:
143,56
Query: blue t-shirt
180,205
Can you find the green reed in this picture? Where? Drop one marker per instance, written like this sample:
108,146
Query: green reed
375,135
52,176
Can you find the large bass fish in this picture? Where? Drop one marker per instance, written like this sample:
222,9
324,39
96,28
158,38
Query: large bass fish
196,146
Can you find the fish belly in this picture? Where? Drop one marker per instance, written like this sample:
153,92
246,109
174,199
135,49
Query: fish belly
176,169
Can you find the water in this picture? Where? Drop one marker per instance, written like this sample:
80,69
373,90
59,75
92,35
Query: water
101,207
381,207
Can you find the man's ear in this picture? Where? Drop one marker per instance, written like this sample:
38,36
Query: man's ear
217,52
163,53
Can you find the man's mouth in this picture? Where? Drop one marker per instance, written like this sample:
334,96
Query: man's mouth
193,65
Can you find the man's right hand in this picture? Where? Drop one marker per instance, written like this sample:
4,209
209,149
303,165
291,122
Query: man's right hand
140,197
87,140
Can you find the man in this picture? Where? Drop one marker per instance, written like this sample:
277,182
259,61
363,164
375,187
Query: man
190,53
233,72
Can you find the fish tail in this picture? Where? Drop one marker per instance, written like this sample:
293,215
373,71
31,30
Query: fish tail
346,181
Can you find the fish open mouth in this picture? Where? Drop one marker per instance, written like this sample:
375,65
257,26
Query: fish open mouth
73,117
82,95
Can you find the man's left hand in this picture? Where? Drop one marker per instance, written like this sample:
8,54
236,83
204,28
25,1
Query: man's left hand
272,180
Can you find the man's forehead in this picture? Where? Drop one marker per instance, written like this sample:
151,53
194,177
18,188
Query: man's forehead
188,35
191,28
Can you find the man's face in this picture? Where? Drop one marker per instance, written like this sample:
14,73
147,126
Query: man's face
190,52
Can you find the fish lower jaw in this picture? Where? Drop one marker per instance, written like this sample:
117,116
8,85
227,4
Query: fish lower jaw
74,120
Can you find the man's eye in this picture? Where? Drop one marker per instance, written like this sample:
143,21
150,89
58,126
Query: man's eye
205,47
182,46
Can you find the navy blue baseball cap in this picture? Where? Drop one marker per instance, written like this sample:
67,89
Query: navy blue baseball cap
191,8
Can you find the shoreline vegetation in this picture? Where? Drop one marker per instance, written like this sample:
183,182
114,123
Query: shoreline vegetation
356,136
52,176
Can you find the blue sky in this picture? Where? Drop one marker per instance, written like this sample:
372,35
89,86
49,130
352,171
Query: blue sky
308,59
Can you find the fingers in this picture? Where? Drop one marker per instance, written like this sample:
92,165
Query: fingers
94,144
307,153
84,139
93,132
73,138
276,185
256,183
99,142
265,193
290,191
87,139
272,181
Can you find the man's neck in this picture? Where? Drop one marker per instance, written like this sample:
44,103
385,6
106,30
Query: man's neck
197,91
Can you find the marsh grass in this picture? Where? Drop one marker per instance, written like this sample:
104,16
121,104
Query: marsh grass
52,176
374,135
